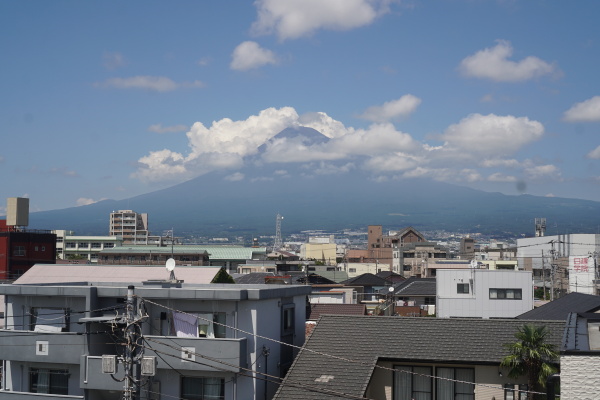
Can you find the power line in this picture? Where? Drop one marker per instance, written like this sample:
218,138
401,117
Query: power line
330,355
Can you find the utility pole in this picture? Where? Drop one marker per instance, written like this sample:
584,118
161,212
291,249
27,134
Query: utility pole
130,392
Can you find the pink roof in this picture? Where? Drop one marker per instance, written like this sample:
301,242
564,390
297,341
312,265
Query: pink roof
68,273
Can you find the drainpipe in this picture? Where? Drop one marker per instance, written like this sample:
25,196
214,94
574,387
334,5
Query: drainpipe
550,386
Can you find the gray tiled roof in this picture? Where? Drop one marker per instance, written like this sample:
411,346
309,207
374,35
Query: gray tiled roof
367,339
560,308
316,310
367,279
252,278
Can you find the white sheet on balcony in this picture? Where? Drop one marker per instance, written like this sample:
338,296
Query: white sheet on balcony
49,320
186,325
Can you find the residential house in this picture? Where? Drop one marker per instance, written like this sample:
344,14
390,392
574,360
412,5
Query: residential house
559,309
580,357
205,340
482,293
403,358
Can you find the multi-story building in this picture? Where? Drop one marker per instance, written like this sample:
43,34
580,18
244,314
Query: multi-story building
320,248
85,248
406,251
21,248
482,293
549,257
131,226
201,341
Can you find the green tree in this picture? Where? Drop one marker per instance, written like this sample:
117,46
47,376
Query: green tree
222,277
532,356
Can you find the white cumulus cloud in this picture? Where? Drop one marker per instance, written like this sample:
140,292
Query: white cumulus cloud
292,19
586,111
390,110
500,177
154,83
249,55
492,134
595,154
84,201
493,63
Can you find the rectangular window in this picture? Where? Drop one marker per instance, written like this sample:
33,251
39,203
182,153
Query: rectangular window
70,245
508,294
83,245
109,245
413,383
96,245
202,388
351,269
454,383
462,288
19,251
49,381
287,319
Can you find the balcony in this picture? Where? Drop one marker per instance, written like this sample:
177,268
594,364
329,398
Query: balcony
6,395
204,354
59,348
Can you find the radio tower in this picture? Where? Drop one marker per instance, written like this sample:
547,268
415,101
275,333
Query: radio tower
278,243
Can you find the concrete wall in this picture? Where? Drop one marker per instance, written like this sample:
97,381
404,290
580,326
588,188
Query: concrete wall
477,302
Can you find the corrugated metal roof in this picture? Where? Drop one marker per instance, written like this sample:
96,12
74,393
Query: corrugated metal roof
69,273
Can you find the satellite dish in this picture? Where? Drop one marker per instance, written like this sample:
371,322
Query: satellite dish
170,265
474,264
391,289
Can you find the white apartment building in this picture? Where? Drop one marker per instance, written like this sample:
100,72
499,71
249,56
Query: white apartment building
482,293
548,256
131,226
70,246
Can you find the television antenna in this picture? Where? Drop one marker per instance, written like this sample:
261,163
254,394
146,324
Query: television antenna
170,266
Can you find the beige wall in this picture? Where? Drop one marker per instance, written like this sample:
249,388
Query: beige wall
579,377
316,251
489,382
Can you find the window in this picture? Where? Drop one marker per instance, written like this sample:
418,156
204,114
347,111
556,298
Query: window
202,388
287,319
462,288
453,386
109,245
83,245
508,294
96,245
413,383
515,393
49,381
351,269
70,245
19,251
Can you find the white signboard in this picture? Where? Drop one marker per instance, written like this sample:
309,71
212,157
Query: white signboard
581,274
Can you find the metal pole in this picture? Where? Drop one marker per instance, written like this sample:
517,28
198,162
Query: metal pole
129,391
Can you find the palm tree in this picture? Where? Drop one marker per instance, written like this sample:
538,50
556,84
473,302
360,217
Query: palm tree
531,355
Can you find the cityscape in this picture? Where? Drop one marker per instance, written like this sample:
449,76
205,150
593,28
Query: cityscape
300,199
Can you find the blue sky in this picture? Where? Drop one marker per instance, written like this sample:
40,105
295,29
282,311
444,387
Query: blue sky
108,100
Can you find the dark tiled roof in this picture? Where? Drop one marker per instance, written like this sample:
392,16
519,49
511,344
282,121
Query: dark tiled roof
253,278
316,310
367,339
560,308
366,280
416,287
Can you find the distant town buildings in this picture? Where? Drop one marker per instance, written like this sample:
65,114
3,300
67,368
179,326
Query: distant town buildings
82,248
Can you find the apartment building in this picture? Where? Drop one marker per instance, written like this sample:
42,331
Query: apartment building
129,225
208,341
